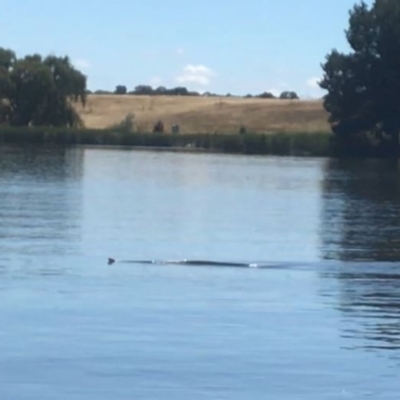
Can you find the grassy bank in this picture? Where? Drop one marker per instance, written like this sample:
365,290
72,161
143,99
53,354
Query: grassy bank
307,144
206,114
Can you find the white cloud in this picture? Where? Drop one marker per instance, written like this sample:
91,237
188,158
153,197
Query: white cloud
313,82
196,74
82,63
313,90
155,81
275,92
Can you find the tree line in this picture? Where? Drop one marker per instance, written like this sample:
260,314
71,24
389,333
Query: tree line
362,86
147,90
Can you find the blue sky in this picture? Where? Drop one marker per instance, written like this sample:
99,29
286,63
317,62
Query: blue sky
207,45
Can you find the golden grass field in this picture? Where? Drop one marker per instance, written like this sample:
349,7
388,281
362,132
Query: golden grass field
206,114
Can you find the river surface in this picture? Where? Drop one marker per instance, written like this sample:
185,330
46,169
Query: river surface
315,316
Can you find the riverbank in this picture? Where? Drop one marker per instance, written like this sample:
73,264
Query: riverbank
299,144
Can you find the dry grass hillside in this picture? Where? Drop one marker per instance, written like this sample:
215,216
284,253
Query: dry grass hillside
206,114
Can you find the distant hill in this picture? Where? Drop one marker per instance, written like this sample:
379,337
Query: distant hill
207,114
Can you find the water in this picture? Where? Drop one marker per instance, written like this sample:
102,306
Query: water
322,321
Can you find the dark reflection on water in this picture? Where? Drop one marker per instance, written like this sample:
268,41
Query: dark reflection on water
369,300
40,199
360,225
361,210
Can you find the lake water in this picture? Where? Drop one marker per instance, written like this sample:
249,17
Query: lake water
320,321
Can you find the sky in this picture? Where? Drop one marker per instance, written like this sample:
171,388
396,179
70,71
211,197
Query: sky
221,46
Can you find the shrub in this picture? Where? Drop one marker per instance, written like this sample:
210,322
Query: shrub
127,125
121,89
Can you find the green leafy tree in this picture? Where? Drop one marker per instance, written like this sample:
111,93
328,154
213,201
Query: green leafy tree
289,96
266,95
121,89
36,91
143,90
364,86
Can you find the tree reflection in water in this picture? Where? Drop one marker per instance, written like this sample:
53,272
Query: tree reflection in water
361,228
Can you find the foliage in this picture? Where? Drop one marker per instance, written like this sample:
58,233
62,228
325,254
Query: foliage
242,130
102,92
163,91
266,95
127,125
36,91
121,89
300,144
142,90
158,127
364,85
147,90
289,96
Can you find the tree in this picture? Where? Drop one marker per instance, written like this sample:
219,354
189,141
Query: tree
289,96
143,90
266,95
179,91
364,85
121,89
161,90
36,91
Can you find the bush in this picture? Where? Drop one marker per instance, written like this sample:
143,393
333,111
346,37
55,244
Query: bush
289,96
127,125
266,95
121,89
299,144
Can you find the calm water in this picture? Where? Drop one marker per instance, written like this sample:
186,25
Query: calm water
321,322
